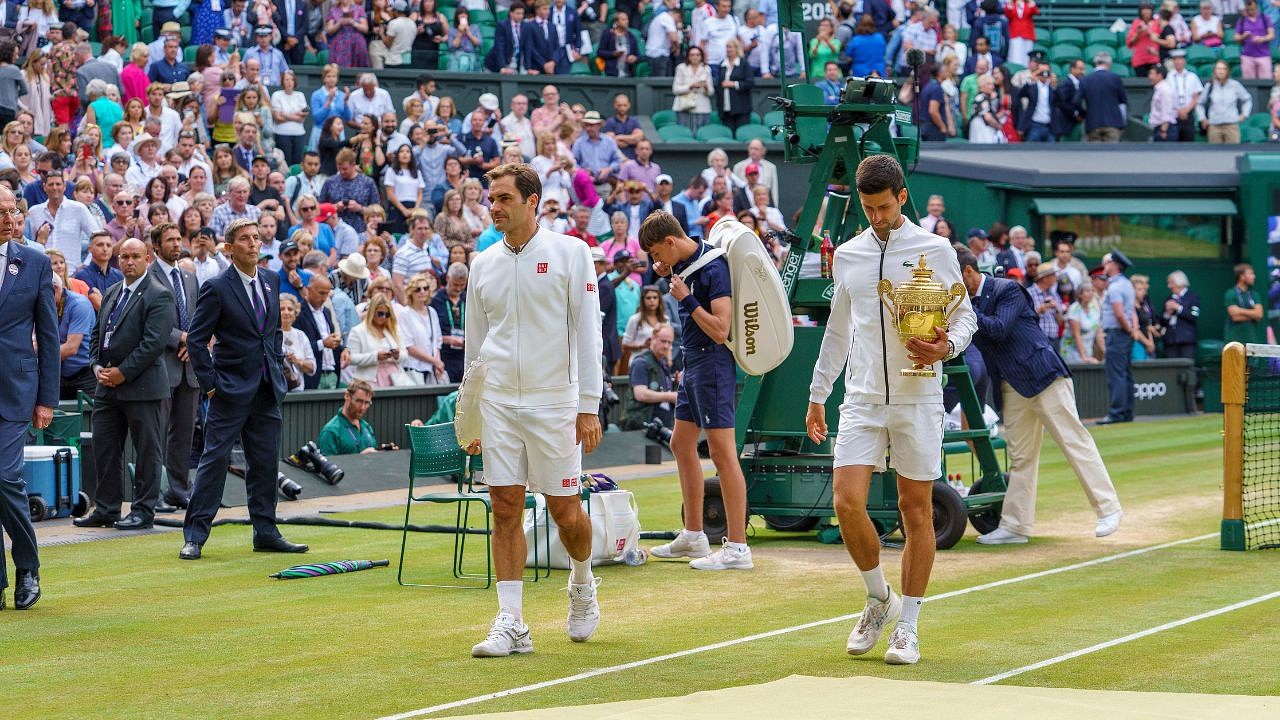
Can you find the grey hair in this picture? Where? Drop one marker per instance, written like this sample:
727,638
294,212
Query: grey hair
286,298
1179,279
237,182
1033,256
457,271
717,152
96,88
367,78
1102,59
619,215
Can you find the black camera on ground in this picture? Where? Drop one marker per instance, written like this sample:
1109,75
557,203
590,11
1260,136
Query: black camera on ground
309,458
289,490
657,432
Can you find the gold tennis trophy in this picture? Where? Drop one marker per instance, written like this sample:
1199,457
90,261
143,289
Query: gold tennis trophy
918,306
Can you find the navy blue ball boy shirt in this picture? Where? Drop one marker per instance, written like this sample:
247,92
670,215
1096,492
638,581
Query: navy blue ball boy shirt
710,282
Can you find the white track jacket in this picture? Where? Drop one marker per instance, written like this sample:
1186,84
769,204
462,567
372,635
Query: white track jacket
534,318
860,337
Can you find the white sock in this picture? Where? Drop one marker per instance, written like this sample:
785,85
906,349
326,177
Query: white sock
510,598
910,611
736,547
694,535
580,572
876,585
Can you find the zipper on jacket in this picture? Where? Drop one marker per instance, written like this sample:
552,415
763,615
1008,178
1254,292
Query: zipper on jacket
884,346
515,259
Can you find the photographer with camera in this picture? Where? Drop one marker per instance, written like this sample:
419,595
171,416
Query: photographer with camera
653,383
348,432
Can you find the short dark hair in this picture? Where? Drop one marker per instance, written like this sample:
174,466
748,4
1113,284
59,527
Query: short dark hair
311,153
525,177
1159,69
966,258
698,182
53,158
158,231
657,227
878,173
1240,269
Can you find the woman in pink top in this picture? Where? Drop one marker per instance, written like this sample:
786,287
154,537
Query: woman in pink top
1022,29
1144,40
133,79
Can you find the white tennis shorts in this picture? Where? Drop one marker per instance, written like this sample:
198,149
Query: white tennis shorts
911,434
534,447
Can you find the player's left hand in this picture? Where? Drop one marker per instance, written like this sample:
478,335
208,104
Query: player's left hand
928,353
588,431
679,290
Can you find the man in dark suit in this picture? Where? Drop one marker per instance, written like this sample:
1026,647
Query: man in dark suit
538,41
244,381
1180,316
1038,393
505,55
1034,109
290,18
568,31
1066,101
317,321
178,411
126,355
981,50
1105,102
663,201
29,392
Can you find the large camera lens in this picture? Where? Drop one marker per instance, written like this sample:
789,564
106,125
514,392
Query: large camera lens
289,490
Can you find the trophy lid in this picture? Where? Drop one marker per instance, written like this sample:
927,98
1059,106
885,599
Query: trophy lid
922,278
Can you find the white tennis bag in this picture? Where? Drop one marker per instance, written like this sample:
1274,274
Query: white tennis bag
615,529
761,335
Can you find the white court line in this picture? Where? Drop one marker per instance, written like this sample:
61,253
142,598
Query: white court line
781,631
1127,638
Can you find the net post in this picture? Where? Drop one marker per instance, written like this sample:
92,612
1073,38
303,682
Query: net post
1233,397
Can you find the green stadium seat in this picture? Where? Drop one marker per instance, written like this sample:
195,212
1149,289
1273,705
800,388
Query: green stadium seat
675,133
1064,53
1092,50
663,118
1068,36
580,68
713,133
295,169
755,119
1101,36
643,69
1041,48
714,119
482,17
1249,134
957,140
186,34
963,34
1204,72
1014,68
753,131
188,54
1124,71
1260,120
1123,55
774,117
1228,35
1231,53
1198,54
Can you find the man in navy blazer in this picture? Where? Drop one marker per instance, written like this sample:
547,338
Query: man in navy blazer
291,15
538,41
506,43
326,343
29,392
244,381
1066,101
564,22
1105,102
1038,393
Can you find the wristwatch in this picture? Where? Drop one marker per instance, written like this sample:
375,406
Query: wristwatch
951,350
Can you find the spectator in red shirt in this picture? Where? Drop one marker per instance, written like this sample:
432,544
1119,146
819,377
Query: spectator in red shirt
1144,39
1022,29
581,217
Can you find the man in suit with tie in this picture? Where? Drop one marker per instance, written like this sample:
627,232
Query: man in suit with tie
126,355
1066,102
538,41
317,321
1038,393
290,18
568,31
505,55
243,378
29,392
178,411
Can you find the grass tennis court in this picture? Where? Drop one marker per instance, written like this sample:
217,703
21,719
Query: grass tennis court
126,630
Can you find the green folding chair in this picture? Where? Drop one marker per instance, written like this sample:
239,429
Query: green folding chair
435,453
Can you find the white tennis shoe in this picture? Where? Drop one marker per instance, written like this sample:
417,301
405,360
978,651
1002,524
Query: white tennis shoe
876,616
1000,536
1108,524
726,558
683,547
507,636
904,646
584,610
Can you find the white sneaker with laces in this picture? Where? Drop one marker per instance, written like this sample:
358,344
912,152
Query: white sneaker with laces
1108,524
876,616
508,635
904,646
682,547
584,610
726,558
1000,536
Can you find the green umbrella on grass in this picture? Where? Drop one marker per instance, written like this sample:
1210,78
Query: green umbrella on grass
328,568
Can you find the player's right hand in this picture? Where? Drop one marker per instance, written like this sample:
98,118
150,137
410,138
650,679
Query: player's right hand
815,423
473,448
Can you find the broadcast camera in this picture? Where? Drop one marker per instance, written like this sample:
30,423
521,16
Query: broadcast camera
309,458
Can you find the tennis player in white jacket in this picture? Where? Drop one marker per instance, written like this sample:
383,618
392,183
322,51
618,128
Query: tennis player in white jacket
533,317
881,408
